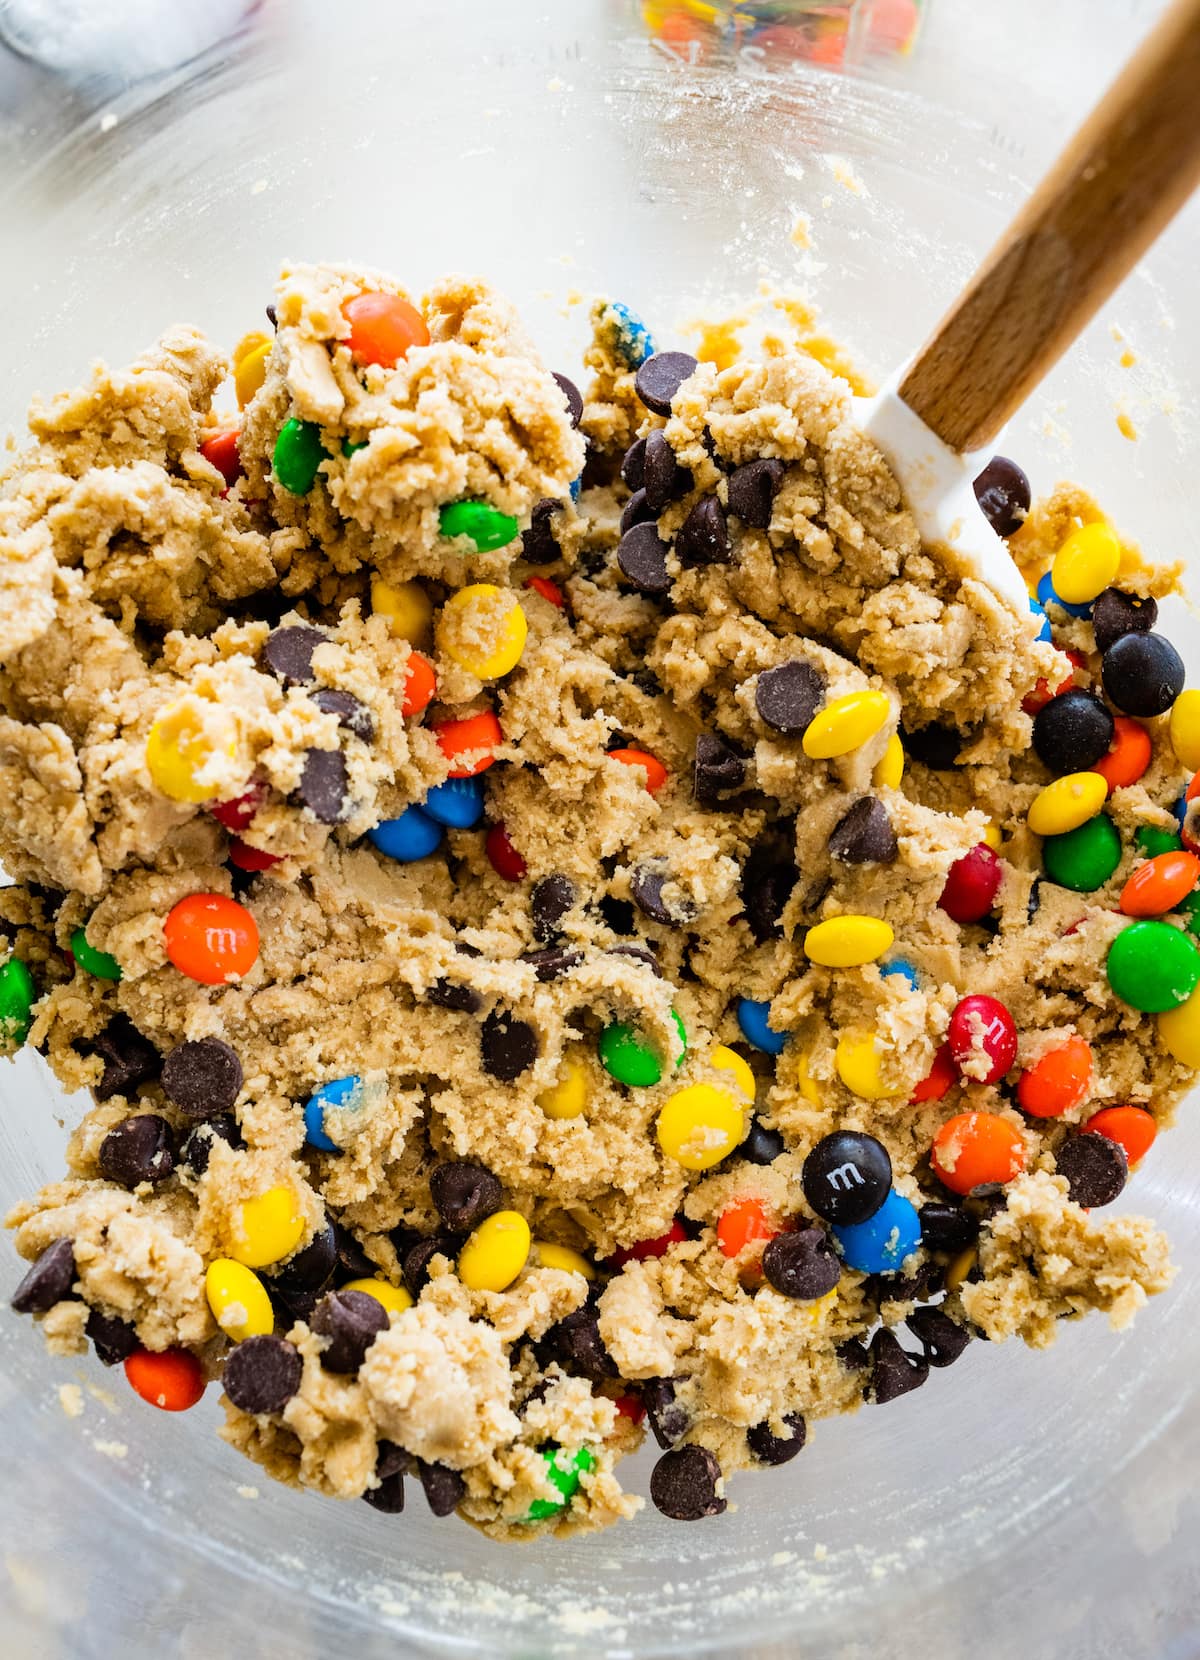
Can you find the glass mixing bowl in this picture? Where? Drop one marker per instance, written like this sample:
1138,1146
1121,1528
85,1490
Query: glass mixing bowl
1021,1504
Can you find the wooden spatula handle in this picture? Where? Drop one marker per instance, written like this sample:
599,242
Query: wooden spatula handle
1130,166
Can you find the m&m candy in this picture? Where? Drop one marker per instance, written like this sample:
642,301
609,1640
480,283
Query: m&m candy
211,939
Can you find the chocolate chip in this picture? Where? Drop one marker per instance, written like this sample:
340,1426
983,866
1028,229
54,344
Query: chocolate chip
272,317
752,491
351,714
767,883
789,696
633,464
617,913
637,511
129,1058
717,769
353,1261
392,1460
642,559
1143,674
350,1321
1115,613
894,1371
552,963
668,1420
853,1355
864,836
770,1448
465,950
262,1373
464,1194
802,1264
917,1287
48,1281
202,1077
509,1046
416,1260
539,544
137,1150
660,377
1003,493
936,747
323,784
444,1488
703,536
573,396
113,1339
196,1149
846,1177
551,899
387,1496
683,1484
762,1146
449,994
639,953
289,652
646,886
1034,903
1072,731
575,1343
311,1269
659,469
942,1338
1095,1167
947,1228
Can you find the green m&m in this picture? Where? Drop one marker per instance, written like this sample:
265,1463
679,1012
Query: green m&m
298,454
1153,967
487,527
1083,859
564,1470
100,963
18,994
1152,841
628,1055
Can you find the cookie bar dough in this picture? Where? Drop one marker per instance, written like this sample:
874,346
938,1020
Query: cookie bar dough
428,899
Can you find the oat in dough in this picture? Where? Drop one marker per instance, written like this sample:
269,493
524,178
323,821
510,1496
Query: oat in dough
133,584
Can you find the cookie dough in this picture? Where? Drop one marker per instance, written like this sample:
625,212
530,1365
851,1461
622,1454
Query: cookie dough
511,945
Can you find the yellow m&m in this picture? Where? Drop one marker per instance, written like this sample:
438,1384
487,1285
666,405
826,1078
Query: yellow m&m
857,1061
394,1298
238,1300
1086,564
848,941
1067,803
700,1126
1179,1030
268,1228
563,1258
181,746
250,367
568,1097
483,629
495,1253
728,1060
407,607
1185,729
889,769
845,724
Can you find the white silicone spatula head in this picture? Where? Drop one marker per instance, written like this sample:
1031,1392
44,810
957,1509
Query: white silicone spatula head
1126,172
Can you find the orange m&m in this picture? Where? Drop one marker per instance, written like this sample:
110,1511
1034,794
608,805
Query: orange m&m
172,1380
656,773
1160,885
975,1149
383,327
420,683
1132,1128
211,939
468,744
1059,1081
742,1224
1127,756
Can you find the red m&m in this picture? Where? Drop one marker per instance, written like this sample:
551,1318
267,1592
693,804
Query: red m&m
983,1039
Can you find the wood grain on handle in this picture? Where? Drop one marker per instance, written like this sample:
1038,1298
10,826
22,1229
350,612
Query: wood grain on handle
1128,169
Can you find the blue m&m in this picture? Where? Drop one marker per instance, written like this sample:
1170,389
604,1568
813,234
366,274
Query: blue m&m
1047,596
880,1244
901,967
633,339
752,1017
334,1094
458,803
1044,631
414,835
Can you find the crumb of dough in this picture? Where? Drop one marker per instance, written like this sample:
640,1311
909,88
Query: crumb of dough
138,587
70,1399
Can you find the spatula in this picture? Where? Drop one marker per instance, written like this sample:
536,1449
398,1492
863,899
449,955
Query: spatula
1126,172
